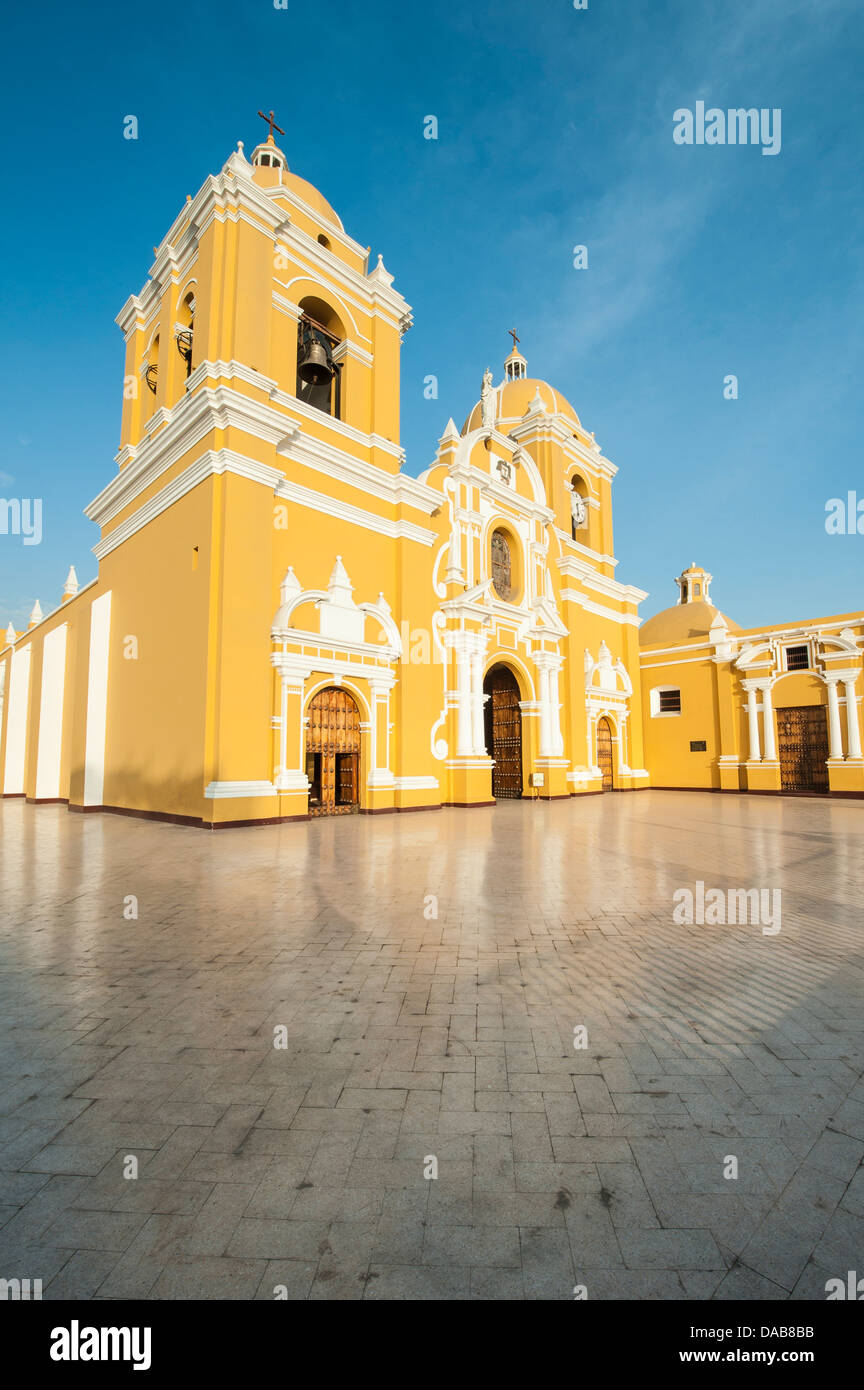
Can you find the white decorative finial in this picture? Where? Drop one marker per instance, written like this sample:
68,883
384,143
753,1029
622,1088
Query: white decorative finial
37,615
289,587
70,588
450,434
340,586
11,635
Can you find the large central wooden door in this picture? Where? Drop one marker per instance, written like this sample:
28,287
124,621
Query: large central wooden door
802,740
333,753
604,753
503,728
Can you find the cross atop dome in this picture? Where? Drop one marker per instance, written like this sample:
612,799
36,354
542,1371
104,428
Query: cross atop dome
515,366
268,155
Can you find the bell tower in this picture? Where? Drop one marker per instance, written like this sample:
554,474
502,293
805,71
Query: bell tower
257,277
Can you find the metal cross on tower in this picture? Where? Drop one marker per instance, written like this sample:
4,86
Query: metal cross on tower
271,121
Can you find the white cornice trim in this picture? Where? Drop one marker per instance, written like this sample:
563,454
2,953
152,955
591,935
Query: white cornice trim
601,583
398,489
344,511
209,464
210,408
316,417
580,601
568,542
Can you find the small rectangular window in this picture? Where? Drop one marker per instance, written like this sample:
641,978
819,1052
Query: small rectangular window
698,745
670,701
797,659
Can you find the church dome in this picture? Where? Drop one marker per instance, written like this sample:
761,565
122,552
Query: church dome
519,394
515,398
309,194
268,156
690,618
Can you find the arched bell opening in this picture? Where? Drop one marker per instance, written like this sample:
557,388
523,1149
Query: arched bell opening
502,716
579,518
333,753
186,331
319,376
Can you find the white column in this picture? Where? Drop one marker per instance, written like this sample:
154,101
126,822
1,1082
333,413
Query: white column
545,726
555,713
835,736
753,720
853,732
379,735
477,734
51,715
283,729
768,725
16,723
97,701
291,768
463,708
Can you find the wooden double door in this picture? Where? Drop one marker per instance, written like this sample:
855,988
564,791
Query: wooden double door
605,760
333,753
503,729
802,743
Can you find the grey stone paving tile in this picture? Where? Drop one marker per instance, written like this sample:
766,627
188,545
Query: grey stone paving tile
499,1285
670,1249
742,1283
841,1244
286,1280
143,1194
269,1239
778,1250
81,1275
209,1277
417,1282
547,1263
634,1285
95,1230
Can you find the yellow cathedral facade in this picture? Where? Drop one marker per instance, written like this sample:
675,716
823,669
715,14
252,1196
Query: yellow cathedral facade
285,624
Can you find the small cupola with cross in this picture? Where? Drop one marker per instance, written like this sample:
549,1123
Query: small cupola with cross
267,155
515,367
694,585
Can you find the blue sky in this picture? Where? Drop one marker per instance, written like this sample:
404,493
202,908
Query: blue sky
555,129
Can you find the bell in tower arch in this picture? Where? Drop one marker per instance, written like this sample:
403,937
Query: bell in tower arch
315,366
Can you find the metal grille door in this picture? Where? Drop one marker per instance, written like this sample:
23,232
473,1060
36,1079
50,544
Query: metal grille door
802,738
503,719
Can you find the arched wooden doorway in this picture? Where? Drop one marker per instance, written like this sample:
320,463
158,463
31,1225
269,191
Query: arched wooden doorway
503,728
333,753
604,753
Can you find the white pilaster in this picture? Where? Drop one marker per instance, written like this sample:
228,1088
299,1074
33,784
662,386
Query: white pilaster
753,723
768,725
463,708
478,737
835,735
853,732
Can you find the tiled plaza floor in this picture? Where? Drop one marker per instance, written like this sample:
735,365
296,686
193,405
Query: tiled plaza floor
410,1037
